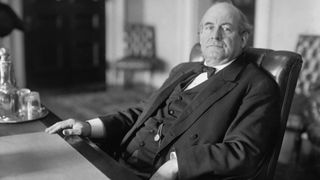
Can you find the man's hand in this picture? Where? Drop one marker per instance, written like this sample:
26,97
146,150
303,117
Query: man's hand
70,127
168,171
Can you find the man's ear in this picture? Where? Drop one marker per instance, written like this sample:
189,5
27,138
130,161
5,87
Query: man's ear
244,39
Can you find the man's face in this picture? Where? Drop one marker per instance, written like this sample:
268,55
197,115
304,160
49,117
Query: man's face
220,39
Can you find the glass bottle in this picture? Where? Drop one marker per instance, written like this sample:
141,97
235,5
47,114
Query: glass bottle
8,90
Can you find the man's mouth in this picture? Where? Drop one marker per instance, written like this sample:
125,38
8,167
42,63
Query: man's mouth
215,45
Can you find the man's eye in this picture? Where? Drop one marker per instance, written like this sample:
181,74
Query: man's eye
209,28
227,29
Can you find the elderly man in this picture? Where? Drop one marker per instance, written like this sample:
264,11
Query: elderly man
201,124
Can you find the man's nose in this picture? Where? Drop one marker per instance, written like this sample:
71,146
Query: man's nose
216,34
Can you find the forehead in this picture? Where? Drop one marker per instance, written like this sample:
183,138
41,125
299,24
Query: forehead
221,13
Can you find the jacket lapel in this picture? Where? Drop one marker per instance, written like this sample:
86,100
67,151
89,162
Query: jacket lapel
218,86
160,96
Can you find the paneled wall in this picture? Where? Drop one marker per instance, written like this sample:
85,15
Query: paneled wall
280,22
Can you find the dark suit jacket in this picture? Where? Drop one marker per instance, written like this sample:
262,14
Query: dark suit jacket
225,133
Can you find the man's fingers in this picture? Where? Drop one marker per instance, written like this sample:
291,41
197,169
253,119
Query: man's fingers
60,125
69,132
54,128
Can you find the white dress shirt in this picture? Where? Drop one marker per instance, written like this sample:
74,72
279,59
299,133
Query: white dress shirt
203,76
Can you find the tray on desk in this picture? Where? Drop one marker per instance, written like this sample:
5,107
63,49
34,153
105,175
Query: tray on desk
20,118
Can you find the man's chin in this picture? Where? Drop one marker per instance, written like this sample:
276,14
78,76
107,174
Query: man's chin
214,59
214,55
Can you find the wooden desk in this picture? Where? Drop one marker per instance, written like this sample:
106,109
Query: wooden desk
98,158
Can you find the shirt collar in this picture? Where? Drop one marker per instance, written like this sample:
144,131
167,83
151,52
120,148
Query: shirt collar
220,67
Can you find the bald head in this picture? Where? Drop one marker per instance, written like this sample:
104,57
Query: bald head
244,24
222,35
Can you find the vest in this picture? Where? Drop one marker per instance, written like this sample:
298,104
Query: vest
142,149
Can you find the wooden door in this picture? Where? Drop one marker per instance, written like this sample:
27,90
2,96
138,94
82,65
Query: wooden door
64,42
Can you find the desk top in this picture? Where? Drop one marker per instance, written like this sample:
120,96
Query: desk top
38,156
108,166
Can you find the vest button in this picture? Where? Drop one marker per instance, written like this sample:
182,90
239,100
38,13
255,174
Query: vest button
152,131
141,143
171,112
195,136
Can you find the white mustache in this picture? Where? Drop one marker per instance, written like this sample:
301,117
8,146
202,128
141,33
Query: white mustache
214,43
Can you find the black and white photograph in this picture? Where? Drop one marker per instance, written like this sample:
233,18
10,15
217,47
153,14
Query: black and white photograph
159,89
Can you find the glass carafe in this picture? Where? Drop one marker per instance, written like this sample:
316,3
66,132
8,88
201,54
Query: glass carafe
8,90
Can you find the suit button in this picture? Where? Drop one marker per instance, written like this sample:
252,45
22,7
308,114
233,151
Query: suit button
141,144
171,112
124,155
152,131
194,136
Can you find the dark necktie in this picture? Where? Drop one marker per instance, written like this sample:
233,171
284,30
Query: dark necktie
210,70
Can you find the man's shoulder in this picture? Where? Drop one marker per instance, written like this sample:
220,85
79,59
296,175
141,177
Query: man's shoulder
259,72
186,66
258,76
189,64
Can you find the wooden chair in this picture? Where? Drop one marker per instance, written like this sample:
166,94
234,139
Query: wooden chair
140,54
284,67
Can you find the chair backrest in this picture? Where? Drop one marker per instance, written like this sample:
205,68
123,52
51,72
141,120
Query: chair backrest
140,41
309,48
284,67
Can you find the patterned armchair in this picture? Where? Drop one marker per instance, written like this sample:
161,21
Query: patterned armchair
303,119
309,48
140,53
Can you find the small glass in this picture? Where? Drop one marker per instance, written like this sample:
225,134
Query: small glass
22,105
33,105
